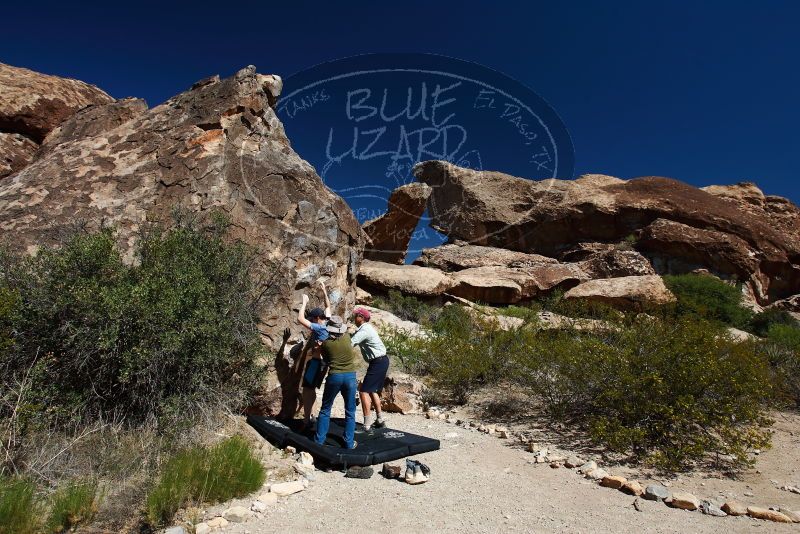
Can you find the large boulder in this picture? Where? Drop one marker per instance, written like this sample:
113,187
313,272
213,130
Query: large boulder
31,105
624,293
218,147
389,235
549,216
412,280
509,285
35,103
456,257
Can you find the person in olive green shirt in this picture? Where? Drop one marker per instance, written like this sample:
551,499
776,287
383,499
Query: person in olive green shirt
338,352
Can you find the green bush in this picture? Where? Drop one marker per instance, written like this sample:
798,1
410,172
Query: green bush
406,307
529,312
709,298
667,392
216,474
99,336
782,349
761,322
73,505
19,510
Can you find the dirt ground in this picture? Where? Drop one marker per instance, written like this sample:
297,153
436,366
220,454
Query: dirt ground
481,483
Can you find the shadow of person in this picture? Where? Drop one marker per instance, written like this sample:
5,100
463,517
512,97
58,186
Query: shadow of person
289,366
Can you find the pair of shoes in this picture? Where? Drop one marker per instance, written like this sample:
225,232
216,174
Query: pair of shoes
416,472
380,422
369,420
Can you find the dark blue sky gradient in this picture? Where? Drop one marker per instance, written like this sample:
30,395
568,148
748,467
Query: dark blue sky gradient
706,92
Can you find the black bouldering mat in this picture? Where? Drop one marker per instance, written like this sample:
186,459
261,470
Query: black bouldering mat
377,446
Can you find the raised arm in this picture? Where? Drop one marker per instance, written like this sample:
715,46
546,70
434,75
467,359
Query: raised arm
327,300
301,315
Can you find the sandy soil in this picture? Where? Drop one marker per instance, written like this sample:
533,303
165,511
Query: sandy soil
481,483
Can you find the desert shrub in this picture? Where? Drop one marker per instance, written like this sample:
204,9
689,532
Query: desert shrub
529,312
406,307
761,322
666,392
201,474
19,510
98,336
709,298
72,505
782,349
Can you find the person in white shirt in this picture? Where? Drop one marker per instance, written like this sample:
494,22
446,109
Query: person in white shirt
374,353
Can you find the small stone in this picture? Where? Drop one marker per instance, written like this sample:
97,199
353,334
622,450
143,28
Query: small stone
202,528
573,461
768,515
237,514
656,492
175,530
791,514
734,508
442,416
555,465
268,498
555,458
632,487
503,434
258,506
748,493
287,488
709,508
792,489
217,522
305,459
613,481
637,505
588,466
596,474
290,450
683,500
307,471
391,471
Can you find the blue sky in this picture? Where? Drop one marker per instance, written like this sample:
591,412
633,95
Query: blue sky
706,92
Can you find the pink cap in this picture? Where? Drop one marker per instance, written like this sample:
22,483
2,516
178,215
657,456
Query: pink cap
362,312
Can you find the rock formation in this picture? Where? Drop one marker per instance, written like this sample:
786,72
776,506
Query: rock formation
758,236
32,104
455,257
626,292
217,147
389,235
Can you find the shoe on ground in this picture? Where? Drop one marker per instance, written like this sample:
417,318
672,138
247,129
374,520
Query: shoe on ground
359,471
369,420
380,422
416,472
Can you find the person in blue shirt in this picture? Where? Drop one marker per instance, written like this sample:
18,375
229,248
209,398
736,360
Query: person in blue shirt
315,320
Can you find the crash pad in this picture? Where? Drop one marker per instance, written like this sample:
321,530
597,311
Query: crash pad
377,446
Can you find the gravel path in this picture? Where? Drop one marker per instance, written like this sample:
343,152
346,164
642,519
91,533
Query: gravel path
478,484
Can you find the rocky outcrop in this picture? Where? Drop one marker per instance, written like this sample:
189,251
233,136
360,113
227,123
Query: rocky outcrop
456,257
509,285
218,147
412,280
34,103
625,293
551,216
389,235
403,394
16,151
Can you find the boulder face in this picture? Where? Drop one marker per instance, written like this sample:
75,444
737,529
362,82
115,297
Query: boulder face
216,148
455,257
34,103
389,235
624,293
551,216
414,280
16,151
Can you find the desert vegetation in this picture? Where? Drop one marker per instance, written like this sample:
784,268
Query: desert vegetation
112,370
667,388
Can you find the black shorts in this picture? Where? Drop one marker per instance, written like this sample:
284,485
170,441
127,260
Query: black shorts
376,375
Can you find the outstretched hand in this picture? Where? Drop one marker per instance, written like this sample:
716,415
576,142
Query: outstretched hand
305,299
286,334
